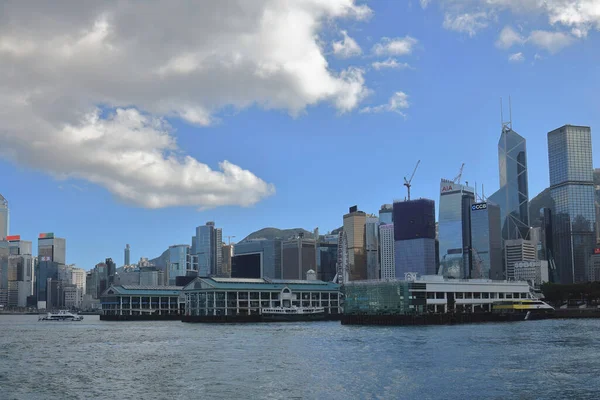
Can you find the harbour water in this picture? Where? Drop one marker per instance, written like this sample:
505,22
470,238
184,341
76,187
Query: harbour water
551,359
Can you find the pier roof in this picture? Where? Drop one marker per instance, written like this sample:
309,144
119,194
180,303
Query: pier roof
143,290
260,284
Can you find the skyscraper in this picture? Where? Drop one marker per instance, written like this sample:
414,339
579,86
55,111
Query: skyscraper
513,195
179,262
4,218
298,256
414,237
267,251
372,246
386,251
327,251
572,189
454,229
486,241
51,254
127,255
354,226
207,249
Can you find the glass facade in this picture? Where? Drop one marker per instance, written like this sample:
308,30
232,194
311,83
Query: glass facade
385,214
573,193
4,218
416,255
381,298
414,219
271,255
372,247
204,239
354,226
298,257
246,265
513,195
179,262
486,244
327,255
454,230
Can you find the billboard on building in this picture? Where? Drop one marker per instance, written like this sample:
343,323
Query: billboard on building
48,235
13,238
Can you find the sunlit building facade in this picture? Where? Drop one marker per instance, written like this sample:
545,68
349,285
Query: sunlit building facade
179,262
572,190
454,229
354,227
386,251
207,253
513,195
372,246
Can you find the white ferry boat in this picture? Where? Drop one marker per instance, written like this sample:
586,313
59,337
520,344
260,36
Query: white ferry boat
284,314
62,315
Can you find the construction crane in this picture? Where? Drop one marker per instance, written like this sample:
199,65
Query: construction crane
407,183
229,239
456,180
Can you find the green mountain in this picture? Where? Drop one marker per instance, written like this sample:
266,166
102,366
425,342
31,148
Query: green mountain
274,233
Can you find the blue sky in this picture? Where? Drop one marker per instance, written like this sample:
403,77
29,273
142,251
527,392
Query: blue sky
319,156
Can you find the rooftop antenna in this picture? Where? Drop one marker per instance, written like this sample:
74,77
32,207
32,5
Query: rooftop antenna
407,183
506,125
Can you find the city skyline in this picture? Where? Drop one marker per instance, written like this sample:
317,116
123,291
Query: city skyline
416,86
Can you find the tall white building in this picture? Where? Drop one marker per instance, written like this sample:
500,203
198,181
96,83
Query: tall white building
518,250
78,279
4,218
386,249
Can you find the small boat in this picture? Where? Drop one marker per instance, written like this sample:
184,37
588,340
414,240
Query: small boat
62,315
290,314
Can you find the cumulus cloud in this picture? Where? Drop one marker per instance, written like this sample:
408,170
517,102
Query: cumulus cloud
468,23
390,63
516,57
86,88
551,41
397,102
424,3
508,38
395,46
347,47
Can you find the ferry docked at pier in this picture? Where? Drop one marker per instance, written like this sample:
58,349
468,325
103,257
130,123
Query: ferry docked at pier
525,309
62,315
291,314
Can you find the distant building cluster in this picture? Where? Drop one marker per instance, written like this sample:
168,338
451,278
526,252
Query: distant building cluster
500,237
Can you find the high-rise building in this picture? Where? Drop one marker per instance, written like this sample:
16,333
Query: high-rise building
372,246
513,195
4,218
298,256
17,271
572,190
227,251
386,251
354,227
414,237
385,214
454,229
486,242
518,250
127,255
179,262
207,247
51,255
327,252
265,264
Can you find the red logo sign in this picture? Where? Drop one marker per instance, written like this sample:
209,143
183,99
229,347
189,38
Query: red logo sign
446,188
13,238
597,251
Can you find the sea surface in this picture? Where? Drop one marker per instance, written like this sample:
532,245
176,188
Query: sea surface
93,359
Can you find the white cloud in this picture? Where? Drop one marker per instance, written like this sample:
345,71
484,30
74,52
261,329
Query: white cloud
509,37
395,46
537,57
468,23
390,63
516,57
397,102
551,41
61,62
580,16
424,3
347,47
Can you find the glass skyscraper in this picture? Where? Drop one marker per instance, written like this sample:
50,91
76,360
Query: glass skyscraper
414,237
206,246
4,218
354,226
572,189
454,229
269,251
513,195
486,242
179,262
